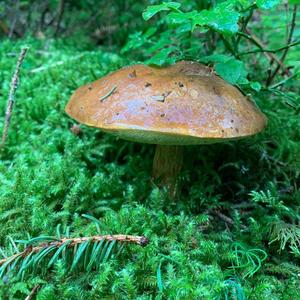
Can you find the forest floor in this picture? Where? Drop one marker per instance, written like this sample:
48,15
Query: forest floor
231,235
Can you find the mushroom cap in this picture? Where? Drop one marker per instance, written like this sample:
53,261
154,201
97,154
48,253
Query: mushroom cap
183,104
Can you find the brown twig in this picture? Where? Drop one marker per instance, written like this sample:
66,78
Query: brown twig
225,218
289,40
139,240
33,291
271,50
11,97
269,55
275,85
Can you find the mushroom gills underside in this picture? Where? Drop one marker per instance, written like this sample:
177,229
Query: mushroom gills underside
164,138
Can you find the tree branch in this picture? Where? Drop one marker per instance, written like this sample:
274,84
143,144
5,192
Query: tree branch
289,40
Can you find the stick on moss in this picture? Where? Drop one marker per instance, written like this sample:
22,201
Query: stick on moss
11,97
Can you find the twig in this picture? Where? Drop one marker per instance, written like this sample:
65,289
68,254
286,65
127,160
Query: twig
108,94
289,40
271,50
247,19
271,56
11,97
250,38
139,240
225,218
229,47
283,81
33,291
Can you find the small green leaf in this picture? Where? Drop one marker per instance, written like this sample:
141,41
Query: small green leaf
136,40
180,17
267,4
154,9
223,18
162,58
183,28
256,86
150,31
232,71
163,42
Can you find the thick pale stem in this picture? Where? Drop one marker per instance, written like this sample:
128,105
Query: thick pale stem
167,164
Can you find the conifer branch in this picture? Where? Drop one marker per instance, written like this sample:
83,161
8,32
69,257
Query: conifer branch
93,250
11,97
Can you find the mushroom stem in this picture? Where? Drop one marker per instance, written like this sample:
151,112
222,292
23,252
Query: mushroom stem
167,164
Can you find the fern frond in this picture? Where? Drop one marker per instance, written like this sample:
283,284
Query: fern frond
286,269
270,198
285,234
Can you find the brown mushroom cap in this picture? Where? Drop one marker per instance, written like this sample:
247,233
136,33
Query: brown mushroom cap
183,104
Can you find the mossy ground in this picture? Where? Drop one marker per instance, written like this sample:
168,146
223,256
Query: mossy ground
49,176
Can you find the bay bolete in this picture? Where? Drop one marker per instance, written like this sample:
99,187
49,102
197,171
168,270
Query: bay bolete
183,104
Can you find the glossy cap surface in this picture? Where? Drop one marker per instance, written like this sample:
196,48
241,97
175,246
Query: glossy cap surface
182,104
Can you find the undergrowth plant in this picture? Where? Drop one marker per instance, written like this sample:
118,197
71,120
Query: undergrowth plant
218,33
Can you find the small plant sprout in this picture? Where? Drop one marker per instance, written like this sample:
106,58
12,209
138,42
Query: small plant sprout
183,104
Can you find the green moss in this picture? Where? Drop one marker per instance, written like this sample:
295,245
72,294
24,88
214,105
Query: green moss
50,176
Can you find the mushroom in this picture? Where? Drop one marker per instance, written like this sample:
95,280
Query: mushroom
183,104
